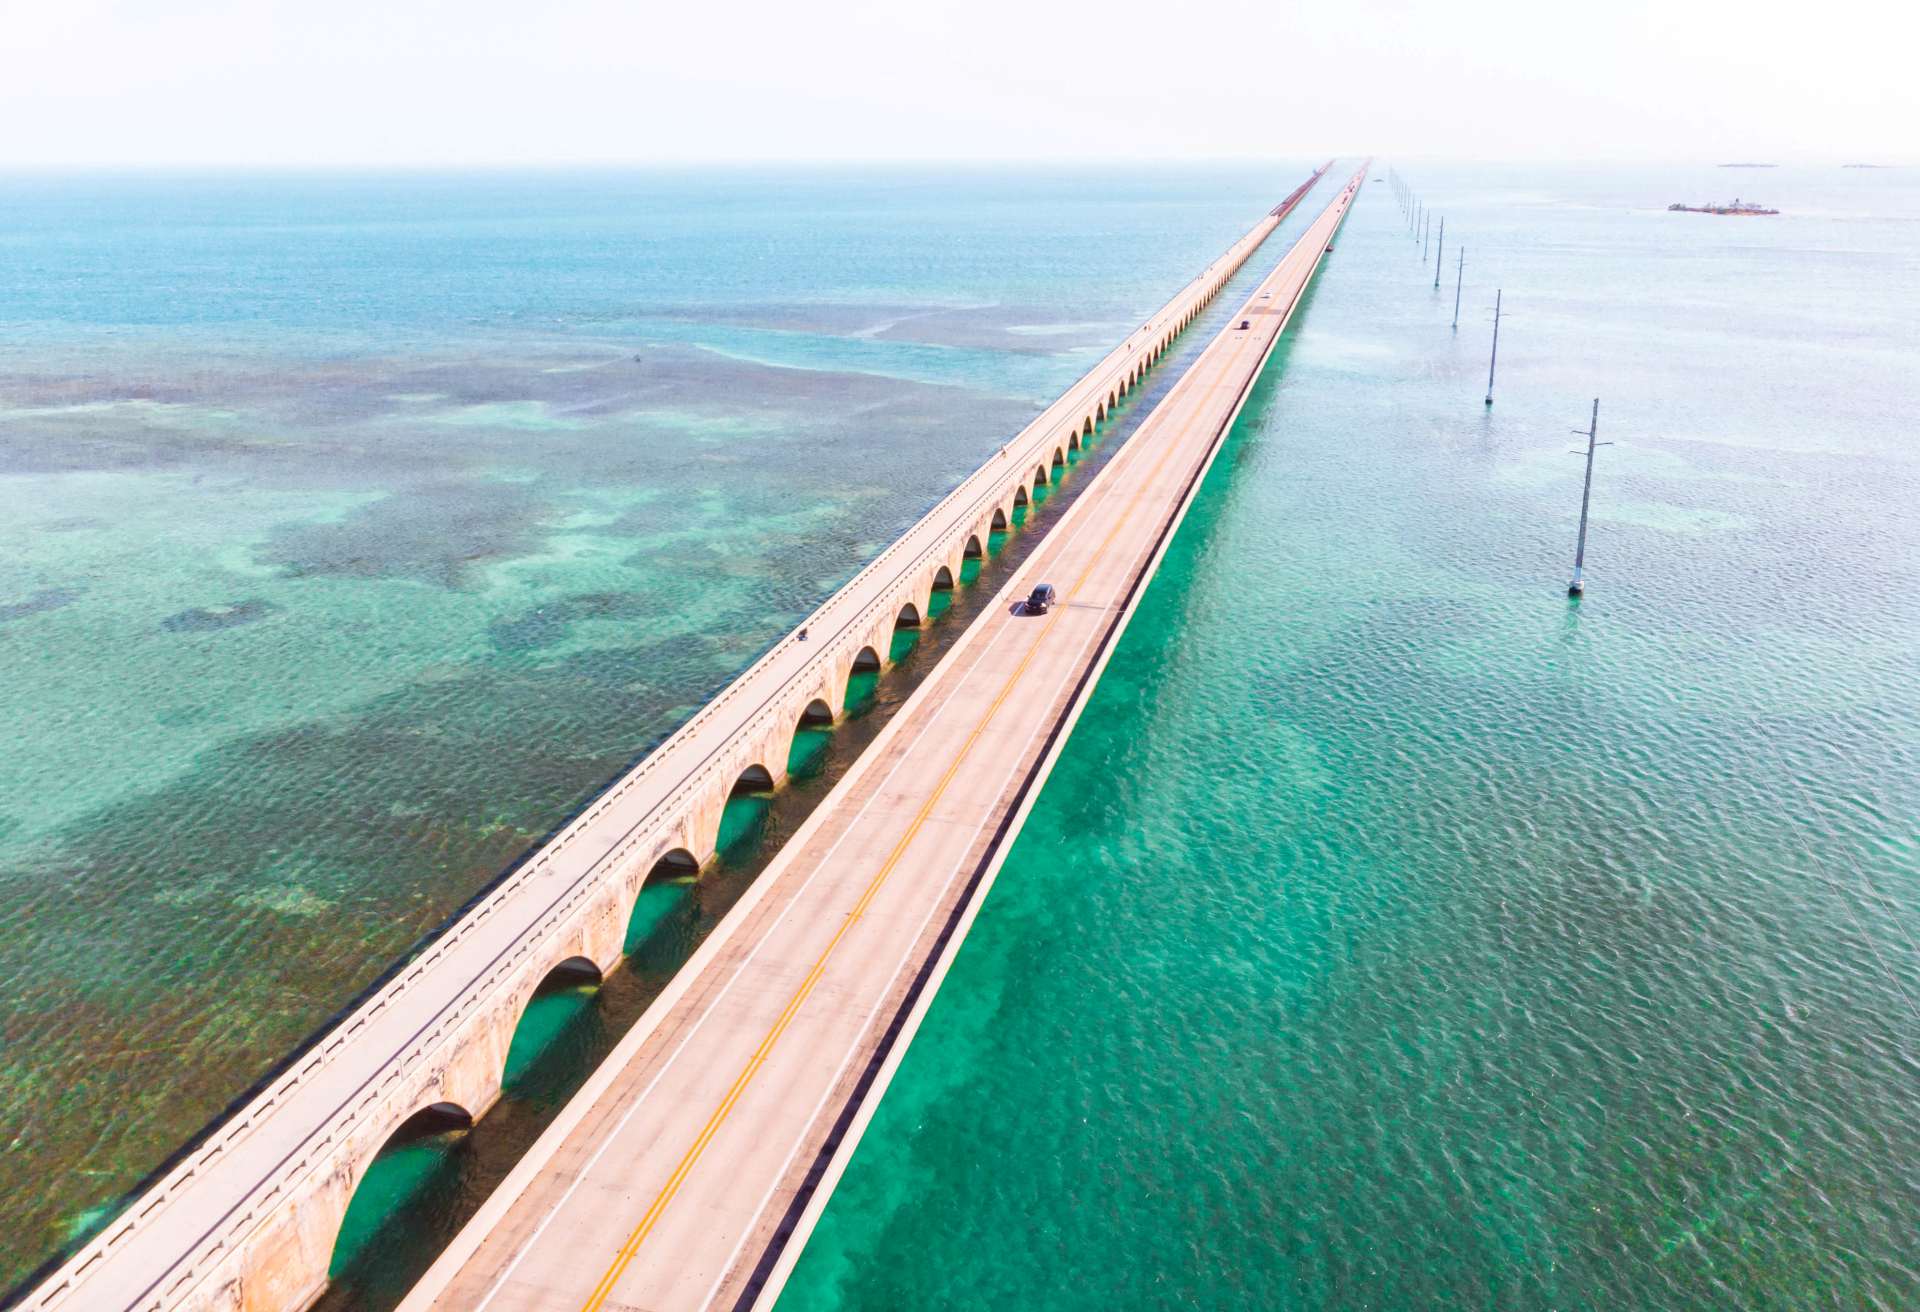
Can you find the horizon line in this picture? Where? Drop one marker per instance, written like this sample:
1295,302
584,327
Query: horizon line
743,162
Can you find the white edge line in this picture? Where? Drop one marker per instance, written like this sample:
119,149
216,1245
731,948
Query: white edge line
906,958
796,1242
473,1234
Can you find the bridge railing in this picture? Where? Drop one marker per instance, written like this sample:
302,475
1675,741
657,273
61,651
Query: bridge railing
972,499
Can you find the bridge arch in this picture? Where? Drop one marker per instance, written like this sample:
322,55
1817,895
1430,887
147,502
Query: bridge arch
754,779
1000,517
667,880
939,594
561,997
807,745
1087,430
863,681
1059,458
742,815
415,1156
906,632
972,559
1040,476
1019,499
1073,440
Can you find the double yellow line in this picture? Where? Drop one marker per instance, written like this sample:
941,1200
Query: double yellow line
628,1250
631,1248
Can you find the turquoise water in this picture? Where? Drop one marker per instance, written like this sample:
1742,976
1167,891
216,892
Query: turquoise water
1391,934
361,527
1394,933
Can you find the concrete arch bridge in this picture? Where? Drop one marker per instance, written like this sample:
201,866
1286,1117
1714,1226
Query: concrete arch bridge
249,1219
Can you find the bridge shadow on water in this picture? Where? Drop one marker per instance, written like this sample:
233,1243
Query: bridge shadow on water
437,1170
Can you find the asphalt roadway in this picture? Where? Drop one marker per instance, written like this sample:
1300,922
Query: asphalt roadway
687,1171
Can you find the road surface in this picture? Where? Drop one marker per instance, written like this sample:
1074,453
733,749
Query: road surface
687,1171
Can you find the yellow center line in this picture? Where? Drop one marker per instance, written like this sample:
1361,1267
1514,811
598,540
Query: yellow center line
629,1249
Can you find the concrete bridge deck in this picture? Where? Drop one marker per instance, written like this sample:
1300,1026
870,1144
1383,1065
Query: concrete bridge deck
247,1219
687,1172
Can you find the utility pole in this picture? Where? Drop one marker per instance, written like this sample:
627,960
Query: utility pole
1426,231
1578,585
1458,273
1439,252
1496,345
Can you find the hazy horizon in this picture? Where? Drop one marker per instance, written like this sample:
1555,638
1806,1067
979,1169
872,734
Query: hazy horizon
851,163
222,83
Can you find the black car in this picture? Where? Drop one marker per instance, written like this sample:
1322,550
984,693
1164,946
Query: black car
1040,600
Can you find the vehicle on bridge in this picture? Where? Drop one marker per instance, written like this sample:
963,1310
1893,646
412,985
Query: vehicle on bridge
1039,601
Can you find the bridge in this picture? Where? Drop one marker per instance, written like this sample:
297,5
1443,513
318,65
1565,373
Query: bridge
685,1169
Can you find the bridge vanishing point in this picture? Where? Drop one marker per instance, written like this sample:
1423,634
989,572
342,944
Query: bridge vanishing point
689,1168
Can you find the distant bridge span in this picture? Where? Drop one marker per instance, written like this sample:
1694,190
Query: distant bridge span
247,1221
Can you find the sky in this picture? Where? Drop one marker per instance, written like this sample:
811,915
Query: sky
88,83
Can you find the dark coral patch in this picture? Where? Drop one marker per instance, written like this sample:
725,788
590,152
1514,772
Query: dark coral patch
205,619
44,599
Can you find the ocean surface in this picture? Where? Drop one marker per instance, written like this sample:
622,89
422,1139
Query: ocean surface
359,528
1393,932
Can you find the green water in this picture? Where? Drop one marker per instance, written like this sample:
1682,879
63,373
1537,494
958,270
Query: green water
742,823
861,688
389,1195
1395,933
1391,934
656,902
362,527
549,1016
408,1207
808,752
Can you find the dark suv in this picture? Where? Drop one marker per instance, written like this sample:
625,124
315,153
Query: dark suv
1040,600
